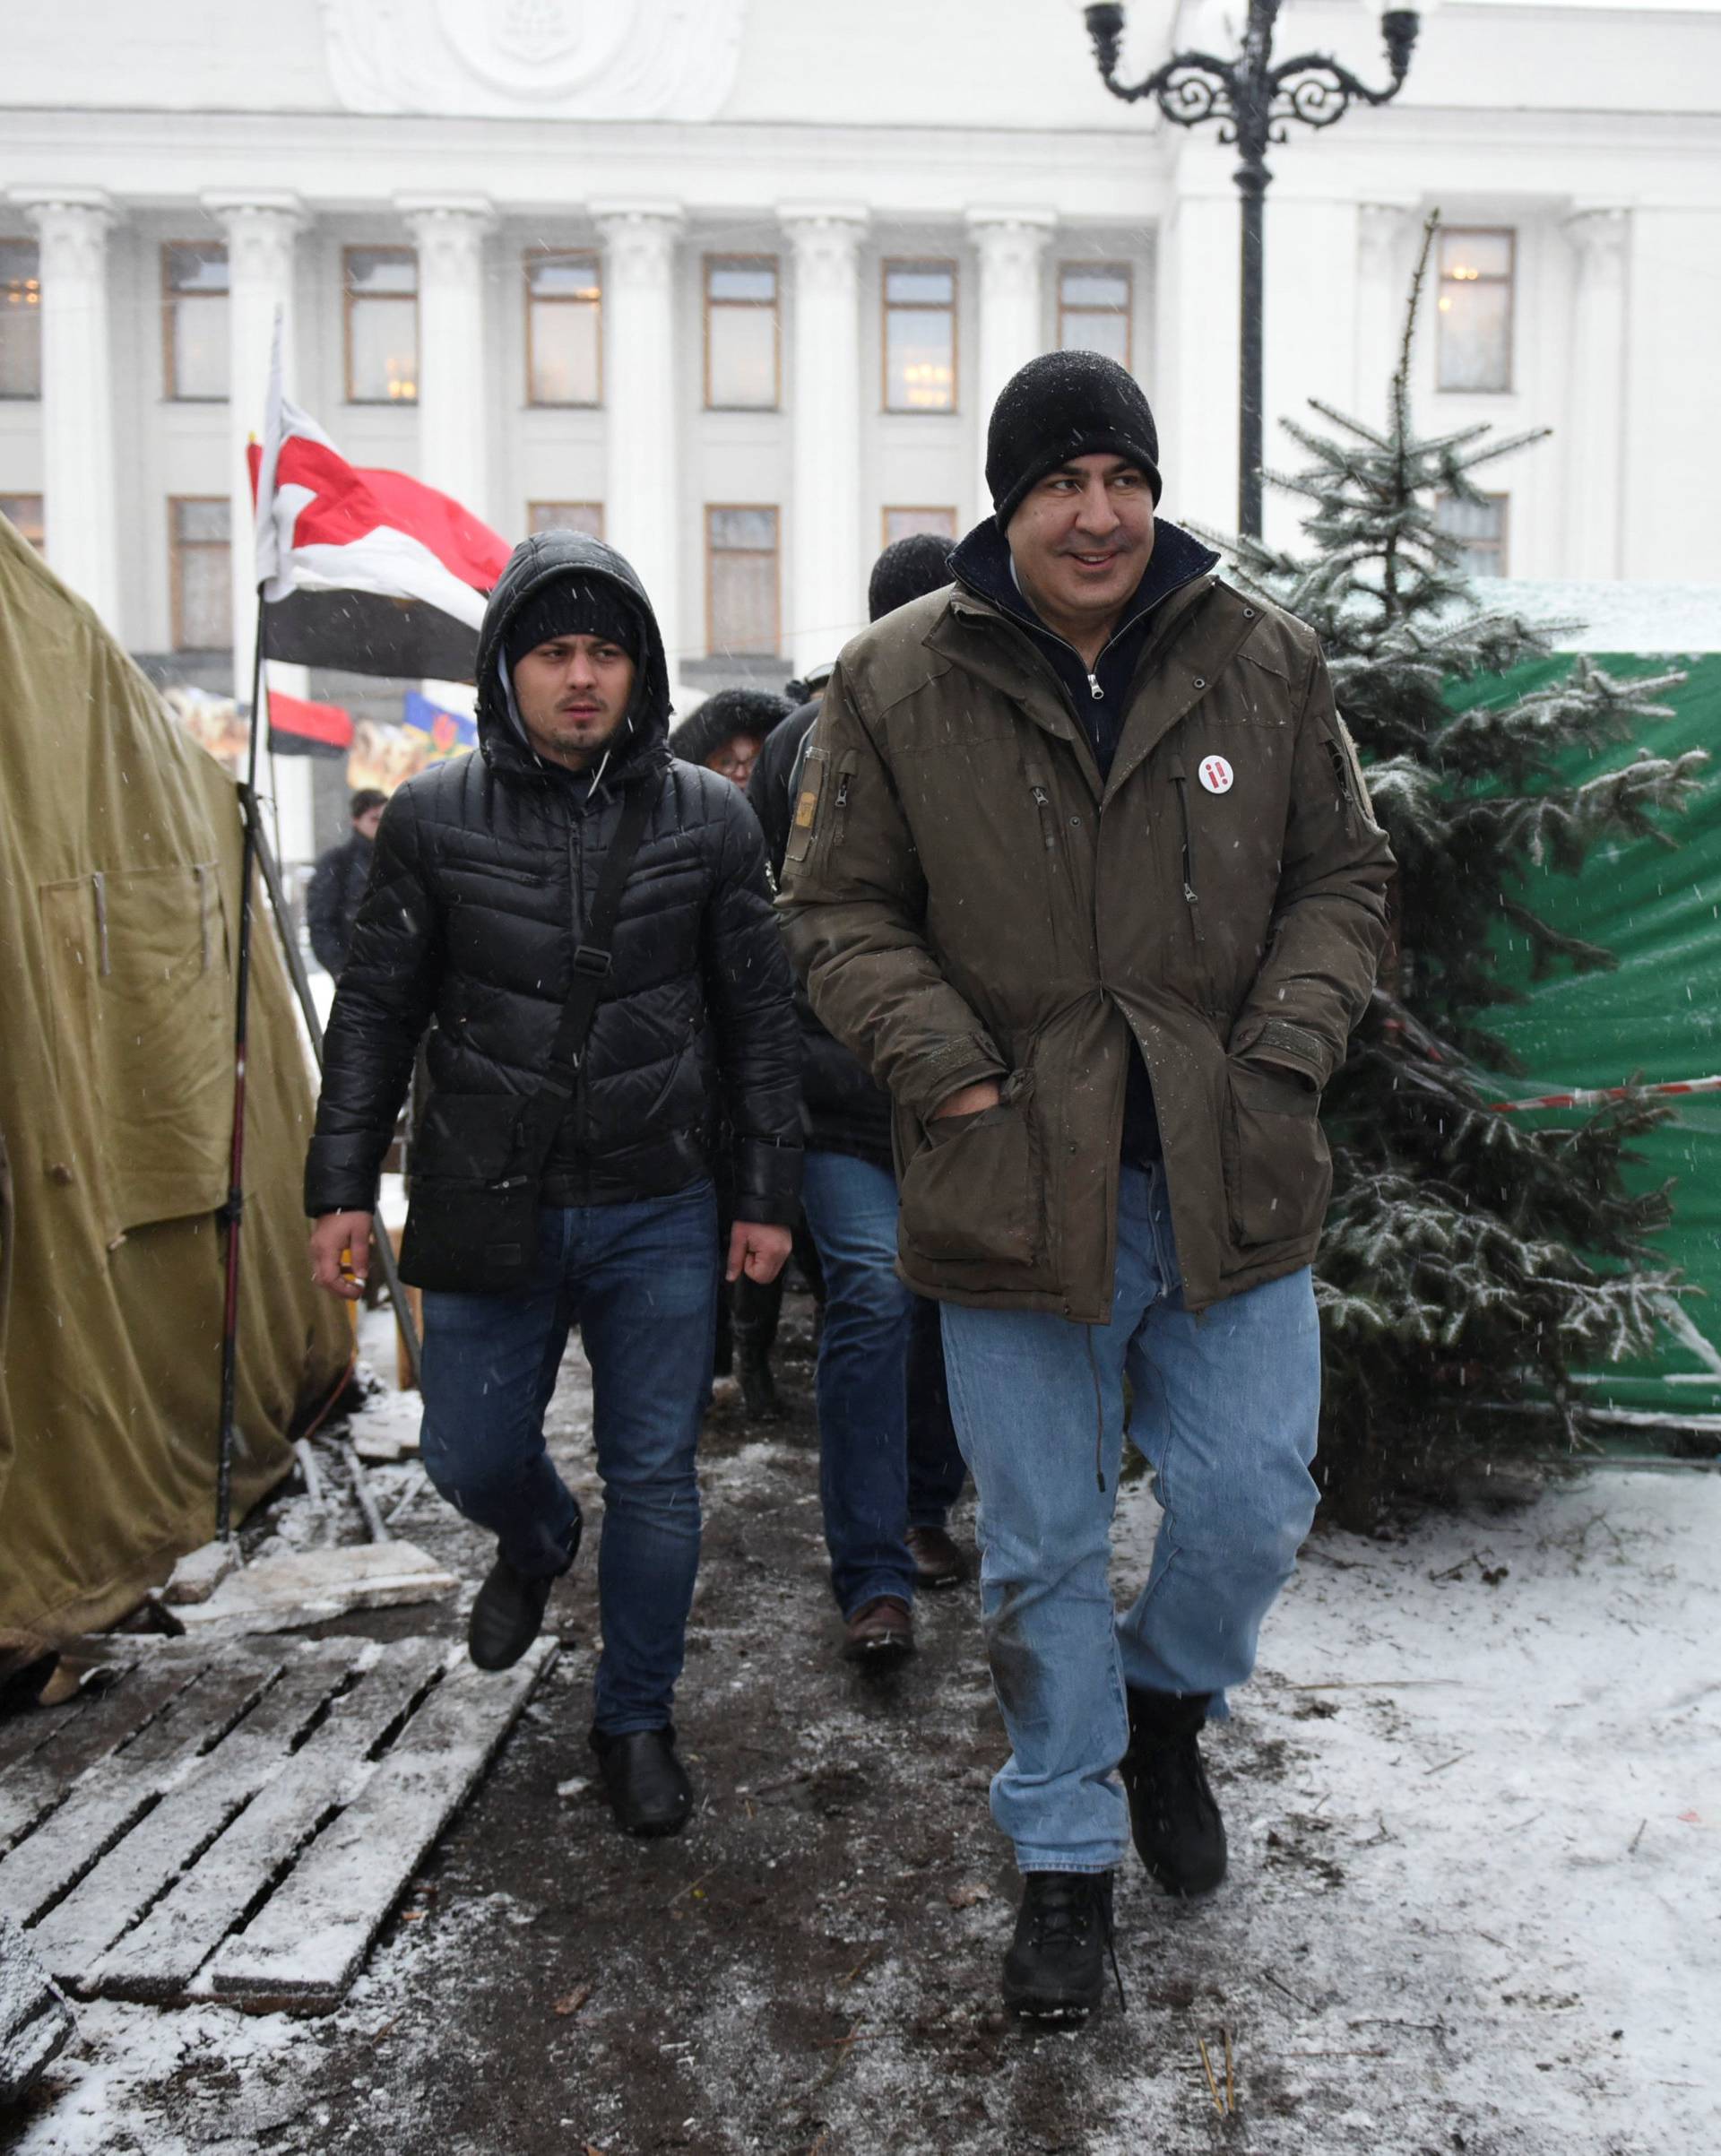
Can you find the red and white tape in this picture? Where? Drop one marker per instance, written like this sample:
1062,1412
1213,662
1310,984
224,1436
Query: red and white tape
1594,1096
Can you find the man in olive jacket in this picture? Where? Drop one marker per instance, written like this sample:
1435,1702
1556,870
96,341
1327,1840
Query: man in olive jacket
1083,867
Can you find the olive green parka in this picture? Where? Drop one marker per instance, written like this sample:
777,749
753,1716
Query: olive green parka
965,899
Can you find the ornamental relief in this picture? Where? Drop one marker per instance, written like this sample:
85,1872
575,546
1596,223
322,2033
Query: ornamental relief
549,59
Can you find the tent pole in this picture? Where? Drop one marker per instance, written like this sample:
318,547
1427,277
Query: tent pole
409,1331
234,1209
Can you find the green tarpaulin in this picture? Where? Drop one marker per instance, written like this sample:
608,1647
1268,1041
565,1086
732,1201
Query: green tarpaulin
1657,1018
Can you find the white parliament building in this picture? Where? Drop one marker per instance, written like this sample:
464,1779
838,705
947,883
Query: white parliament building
735,281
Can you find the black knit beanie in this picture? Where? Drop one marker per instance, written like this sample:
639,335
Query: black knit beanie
1062,405
572,606
908,569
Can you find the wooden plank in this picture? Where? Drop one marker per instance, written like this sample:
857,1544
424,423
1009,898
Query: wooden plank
35,2022
100,1727
30,1727
309,1587
304,1947
111,1795
159,1958
142,1865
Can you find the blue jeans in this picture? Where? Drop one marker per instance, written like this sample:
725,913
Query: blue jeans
863,1379
1225,1408
640,1280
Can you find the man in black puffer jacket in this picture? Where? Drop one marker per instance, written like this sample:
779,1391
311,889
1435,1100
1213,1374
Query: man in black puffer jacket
485,875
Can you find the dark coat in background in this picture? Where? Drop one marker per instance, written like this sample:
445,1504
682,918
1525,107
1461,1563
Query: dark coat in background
485,869
843,1109
332,903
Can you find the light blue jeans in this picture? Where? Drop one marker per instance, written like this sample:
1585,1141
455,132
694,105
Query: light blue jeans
1225,1408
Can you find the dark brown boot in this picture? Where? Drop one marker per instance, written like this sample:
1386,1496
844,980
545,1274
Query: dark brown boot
938,1561
880,1632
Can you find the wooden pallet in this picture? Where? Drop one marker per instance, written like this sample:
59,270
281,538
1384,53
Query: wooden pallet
238,1821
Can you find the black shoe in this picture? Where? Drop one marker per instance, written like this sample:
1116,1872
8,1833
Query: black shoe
508,1613
1055,1969
1178,1832
648,1786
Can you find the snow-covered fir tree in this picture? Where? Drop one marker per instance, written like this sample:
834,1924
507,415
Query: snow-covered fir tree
1473,1261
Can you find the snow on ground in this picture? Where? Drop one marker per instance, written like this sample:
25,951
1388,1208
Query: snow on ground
1473,1799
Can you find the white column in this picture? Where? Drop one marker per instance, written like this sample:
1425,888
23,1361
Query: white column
79,494
260,230
1010,244
454,410
1595,428
827,576
643,514
1383,294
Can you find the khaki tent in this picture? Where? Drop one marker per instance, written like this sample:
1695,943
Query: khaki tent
119,874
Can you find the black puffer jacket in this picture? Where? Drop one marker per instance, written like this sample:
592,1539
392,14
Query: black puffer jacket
843,1108
486,869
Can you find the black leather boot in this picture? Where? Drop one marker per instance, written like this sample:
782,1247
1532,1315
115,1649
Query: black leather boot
1055,1969
647,1785
508,1613
1178,1832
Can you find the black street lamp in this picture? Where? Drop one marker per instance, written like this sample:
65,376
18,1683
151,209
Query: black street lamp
1253,101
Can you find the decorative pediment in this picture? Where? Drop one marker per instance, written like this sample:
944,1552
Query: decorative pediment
549,59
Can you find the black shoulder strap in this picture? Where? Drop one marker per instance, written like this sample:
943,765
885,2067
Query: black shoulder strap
592,958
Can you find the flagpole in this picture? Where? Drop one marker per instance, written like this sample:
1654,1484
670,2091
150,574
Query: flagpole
233,1212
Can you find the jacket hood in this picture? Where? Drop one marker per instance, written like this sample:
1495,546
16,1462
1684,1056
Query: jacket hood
642,744
721,717
982,564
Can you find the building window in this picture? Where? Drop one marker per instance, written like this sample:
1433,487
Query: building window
199,529
382,308
1480,530
564,327
919,336
1474,311
741,582
585,517
1094,309
902,523
21,319
25,511
742,339
194,321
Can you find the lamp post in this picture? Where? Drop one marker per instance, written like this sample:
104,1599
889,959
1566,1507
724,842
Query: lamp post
1254,100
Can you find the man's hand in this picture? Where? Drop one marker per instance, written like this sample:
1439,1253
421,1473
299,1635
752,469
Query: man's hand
758,1251
334,1235
969,1100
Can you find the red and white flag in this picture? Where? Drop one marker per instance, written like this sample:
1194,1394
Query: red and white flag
365,570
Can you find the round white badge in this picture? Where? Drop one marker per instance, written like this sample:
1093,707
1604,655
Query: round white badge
1216,775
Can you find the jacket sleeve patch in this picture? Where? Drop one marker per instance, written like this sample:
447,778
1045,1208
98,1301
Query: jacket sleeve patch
810,785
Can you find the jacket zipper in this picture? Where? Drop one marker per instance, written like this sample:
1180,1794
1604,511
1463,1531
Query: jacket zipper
1180,780
1043,803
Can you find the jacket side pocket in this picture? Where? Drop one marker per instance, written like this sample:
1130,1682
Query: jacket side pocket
1278,1168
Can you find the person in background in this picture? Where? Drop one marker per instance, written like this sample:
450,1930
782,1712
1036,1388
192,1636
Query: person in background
337,882
889,1467
725,735
728,730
